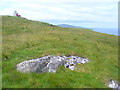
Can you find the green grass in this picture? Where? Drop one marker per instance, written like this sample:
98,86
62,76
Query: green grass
26,39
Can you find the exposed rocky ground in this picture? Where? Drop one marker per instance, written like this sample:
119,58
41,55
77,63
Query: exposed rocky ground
113,84
50,63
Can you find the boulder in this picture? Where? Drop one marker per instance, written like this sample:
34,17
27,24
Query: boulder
113,84
50,63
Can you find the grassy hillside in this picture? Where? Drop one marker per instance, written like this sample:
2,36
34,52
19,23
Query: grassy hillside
24,39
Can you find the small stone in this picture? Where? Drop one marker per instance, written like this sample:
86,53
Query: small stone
113,84
71,67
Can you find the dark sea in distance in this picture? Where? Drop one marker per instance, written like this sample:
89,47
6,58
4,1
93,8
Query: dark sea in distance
112,31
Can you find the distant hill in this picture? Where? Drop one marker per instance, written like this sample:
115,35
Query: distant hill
69,26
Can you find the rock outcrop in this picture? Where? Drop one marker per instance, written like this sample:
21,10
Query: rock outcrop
50,63
113,84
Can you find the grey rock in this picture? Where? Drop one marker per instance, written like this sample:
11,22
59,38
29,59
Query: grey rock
50,63
113,84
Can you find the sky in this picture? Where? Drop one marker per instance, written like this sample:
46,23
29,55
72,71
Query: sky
83,13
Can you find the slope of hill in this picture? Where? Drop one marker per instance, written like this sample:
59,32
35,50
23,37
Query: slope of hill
26,39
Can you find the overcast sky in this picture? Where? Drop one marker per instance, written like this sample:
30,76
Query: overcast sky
84,13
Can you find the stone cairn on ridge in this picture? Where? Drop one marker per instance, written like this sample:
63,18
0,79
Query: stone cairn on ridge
50,63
